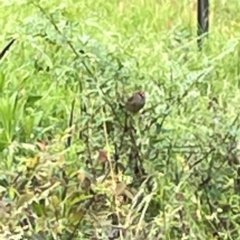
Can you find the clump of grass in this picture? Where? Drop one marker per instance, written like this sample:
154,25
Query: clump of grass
72,168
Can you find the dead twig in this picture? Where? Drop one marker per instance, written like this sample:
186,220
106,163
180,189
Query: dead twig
3,52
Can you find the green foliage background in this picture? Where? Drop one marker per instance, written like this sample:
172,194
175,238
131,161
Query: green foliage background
70,169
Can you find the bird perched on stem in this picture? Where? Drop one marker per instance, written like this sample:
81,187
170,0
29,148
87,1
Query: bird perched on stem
135,103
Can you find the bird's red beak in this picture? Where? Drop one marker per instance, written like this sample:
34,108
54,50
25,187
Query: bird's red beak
142,94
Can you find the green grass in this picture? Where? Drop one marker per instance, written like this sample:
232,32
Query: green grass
95,54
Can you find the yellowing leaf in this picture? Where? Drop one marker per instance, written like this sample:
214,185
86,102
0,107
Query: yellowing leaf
120,188
12,192
25,199
79,199
183,163
28,146
2,189
32,162
54,200
128,194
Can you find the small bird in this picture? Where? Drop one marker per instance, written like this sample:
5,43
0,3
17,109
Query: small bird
135,103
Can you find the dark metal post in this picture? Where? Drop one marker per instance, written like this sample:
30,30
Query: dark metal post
203,20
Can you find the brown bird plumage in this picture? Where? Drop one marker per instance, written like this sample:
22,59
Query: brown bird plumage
135,103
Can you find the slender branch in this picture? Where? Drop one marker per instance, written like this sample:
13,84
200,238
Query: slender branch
3,52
